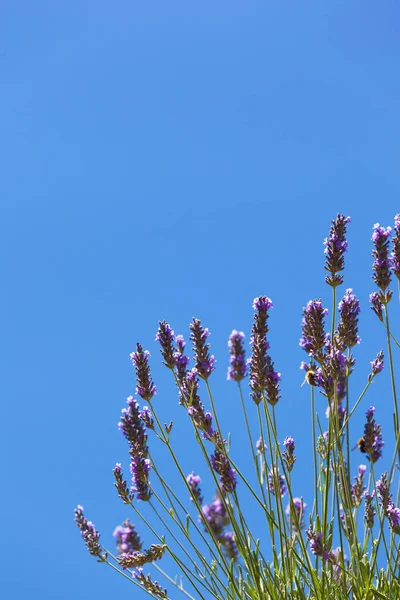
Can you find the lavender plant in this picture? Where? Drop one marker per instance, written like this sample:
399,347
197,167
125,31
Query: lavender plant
342,543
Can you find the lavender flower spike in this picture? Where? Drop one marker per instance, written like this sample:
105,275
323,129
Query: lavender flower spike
376,305
296,513
288,454
237,368
349,309
372,442
221,465
204,362
381,266
395,255
263,377
313,330
165,336
335,247
127,538
376,365
276,482
89,533
145,386
194,482
121,485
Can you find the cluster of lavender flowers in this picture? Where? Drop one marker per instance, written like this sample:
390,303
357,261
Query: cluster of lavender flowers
372,442
330,363
263,377
390,510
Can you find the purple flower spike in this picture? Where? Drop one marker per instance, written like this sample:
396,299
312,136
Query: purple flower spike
263,377
393,513
165,336
369,511
121,485
395,255
204,362
358,488
276,482
317,546
89,533
335,247
313,337
376,305
372,442
145,387
217,519
194,482
237,368
381,266
288,454
376,365
133,428
227,475
349,309
127,538
295,513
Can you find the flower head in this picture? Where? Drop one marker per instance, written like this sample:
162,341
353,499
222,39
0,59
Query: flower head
227,475
295,512
349,309
288,454
276,482
313,337
335,247
369,511
194,482
376,305
263,377
372,441
127,538
376,365
204,362
121,485
145,386
358,488
165,336
381,266
89,533
395,255
237,368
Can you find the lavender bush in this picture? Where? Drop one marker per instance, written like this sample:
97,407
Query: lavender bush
344,541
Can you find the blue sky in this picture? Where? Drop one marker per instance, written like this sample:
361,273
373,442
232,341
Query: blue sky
164,160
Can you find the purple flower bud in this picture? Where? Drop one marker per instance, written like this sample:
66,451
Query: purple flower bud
89,533
376,305
288,454
335,247
349,309
377,365
145,387
295,513
369,511
276,482
204,362
127,538
221,465
395,255
165,336
381,266
194,482
237,368
313,337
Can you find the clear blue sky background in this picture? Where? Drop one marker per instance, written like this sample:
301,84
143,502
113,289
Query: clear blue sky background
170,160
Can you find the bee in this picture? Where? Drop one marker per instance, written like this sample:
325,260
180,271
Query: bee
310,377
361,445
